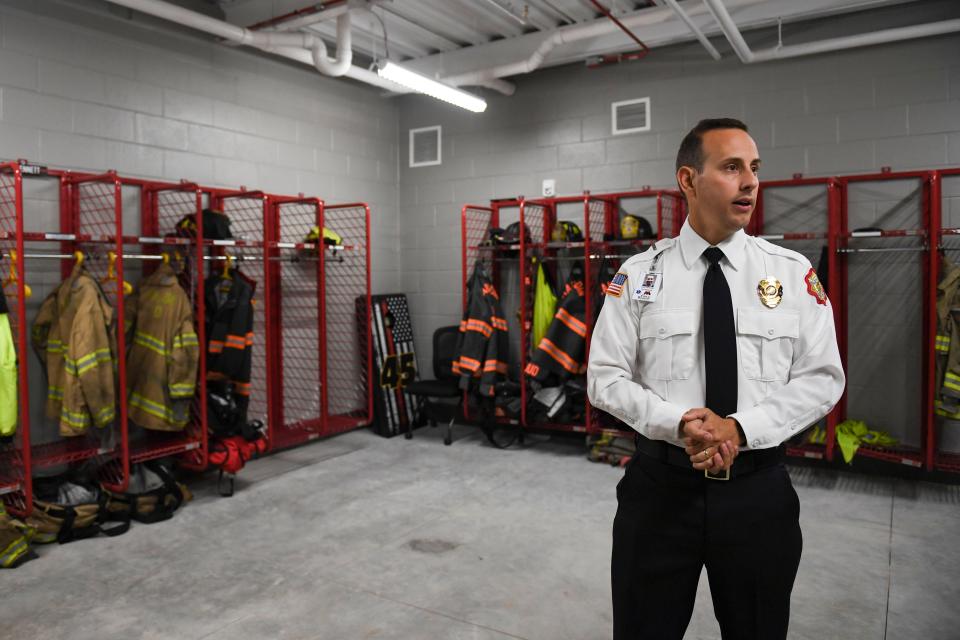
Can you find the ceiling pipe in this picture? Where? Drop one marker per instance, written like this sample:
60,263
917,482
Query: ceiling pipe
298,13
323,15
498,85
730,30
359,74
565,35
312,47
644,49
743,51
677,9
342,63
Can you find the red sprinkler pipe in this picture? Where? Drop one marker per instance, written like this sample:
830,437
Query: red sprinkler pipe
306,11
644,49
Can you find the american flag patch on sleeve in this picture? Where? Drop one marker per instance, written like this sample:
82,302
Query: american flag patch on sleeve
615,288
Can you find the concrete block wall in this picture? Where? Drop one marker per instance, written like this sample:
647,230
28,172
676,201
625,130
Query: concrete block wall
85,88
848,112
89,90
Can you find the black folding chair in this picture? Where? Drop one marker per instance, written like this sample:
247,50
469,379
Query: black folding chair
445,384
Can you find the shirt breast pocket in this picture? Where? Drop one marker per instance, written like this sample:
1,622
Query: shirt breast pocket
766,342
668,344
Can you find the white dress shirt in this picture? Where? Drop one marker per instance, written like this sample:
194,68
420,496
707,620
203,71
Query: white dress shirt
647,358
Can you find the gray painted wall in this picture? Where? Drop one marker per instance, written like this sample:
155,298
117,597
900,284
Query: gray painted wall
87,89
92,90
850,112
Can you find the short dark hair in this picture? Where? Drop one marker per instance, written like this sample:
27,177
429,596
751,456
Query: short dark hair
691,148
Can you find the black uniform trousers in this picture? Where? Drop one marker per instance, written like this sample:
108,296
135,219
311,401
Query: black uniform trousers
672,521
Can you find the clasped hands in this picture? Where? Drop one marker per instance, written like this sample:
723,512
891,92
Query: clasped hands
712,442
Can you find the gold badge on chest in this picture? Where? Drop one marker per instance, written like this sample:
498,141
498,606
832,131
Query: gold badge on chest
770,291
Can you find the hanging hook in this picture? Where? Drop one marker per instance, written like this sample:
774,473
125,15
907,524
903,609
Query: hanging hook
111,276
12,275
227,264
78,256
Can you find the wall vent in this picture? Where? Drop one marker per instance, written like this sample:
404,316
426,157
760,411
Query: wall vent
425,146
630,116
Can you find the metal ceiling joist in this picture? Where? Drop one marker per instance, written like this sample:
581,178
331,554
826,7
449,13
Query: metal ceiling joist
489,21
656,26
432,39
447,26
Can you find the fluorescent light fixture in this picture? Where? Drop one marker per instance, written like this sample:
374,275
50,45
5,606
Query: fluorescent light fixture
432,88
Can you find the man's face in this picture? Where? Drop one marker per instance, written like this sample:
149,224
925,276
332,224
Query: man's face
724,195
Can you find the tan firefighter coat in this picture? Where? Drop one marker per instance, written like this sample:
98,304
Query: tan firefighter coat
75,337
164,351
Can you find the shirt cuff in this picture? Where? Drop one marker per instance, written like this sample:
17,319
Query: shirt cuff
664,423
755,423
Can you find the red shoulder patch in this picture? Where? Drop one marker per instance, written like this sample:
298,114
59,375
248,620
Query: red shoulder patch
814,287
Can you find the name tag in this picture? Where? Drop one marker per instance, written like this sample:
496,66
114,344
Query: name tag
649,287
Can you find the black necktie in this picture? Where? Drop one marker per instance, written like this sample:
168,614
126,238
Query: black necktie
719,338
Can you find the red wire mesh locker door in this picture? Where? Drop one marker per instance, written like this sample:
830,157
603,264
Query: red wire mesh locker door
475,225
943,447
96,217
884,268
535,225
249,223
299,413
347,376
162,207
671,212
596,223
15,467
798,214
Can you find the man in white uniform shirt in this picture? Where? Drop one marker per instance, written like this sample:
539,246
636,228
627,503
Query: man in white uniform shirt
716,347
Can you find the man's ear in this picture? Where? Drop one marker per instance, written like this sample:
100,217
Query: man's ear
685,180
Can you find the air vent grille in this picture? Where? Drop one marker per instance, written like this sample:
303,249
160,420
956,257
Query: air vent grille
425,146
631,116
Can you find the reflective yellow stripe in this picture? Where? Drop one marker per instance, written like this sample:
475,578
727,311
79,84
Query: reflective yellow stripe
181,390
105,416
153,408
150,342
81,365
185,340
943,343
55,393
78,420
13,551
56,346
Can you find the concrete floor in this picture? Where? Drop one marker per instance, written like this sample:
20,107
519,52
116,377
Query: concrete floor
361,537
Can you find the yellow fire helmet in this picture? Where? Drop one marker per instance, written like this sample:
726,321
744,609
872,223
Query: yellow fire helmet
629,227
329,237
566,231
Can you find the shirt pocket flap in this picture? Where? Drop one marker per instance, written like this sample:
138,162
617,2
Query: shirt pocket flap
665,324
783,324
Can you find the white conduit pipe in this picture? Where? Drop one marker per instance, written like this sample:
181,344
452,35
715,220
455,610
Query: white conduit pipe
864,40
730,30
677,9
354,72
342,63
596,29
316,56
